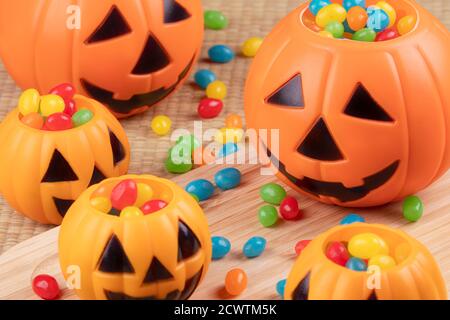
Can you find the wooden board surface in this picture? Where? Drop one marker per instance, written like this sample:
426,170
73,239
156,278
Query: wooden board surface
234,214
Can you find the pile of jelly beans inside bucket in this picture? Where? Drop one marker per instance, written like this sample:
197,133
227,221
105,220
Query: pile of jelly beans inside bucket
353,20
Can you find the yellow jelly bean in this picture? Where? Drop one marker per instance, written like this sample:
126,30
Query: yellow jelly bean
326,34
402,252
161,125
51,104
406,24
226,135
145,194
383,261
330,13
29,102
102,204
131,212
386,7
216,90
367,245
251,46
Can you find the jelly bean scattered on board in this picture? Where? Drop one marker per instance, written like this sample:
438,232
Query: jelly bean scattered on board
161,125
221,53
365,34
348,4
58,121
367,245
131,212
176,163
330,13
335,28
46,287
228,149
215,20
33,120
233,121
352,218
385,262
268,215
82,117
190,141
316,5
272,193
29,102
236,281
51,104
209,108
406,24
357,18
221,246
251,46
124,194
281,286
202,188
226,135
356,264
204,77
195,197
228,178
337,252
289,209
217,90
387,34
301,245
144,194
254,247
102,204
153,206
412,208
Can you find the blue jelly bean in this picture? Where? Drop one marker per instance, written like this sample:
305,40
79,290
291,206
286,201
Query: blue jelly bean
227,149
202,188
348,4
316,5
220,247
281,285
221,53
356,264
352,218
228,178
378,20
204,77
254,247
347,28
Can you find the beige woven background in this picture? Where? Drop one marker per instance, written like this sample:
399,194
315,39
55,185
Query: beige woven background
247,18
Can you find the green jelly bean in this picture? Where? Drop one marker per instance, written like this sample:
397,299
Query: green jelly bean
195,197
272,193
179,159
336,29
366,34
189,140
215,20
268,215
81,117
412,208
177,168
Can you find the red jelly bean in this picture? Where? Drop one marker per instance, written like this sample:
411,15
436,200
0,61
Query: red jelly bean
153,206
71,108
387,34
65,91
337,252
289,208
46,287
301,245
58,122
210,108
124,194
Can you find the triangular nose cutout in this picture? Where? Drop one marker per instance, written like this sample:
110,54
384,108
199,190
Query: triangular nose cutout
153,58
320,145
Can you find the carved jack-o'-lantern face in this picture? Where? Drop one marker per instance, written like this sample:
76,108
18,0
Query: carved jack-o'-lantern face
128,55
357,126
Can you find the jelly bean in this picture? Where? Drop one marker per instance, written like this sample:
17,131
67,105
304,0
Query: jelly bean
236,281
378,20
301,245
268,216
226,135
332,12
221,246
58,122
153,206
352,218
365,34
82,117
221,53
124,194
316,5
406,24
281,286
228,178
251,46
348,4
161,125
177,163
190,141
202,188
209,108
195,197
387,34
272,193
356,264
402,252
217,90
233,121
347,28
348,35
385,262
70,108
46,287
335,28
144,194
204,77
386,7
337,253
33,120
102,204
215,20
254,247
412,208
326,34
289,208
131,212
372,9
357,18
51,104
367,245
29,102
65,91
227,149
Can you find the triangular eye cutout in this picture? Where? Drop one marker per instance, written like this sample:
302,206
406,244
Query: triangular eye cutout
153,58
117,147
174,12
114,259
97,177
188,243
63,206
363,106
302,290
59,169
157,272
113,26
290,94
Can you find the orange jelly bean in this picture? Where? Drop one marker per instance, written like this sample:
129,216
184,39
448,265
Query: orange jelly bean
357,18
33,120
233,121
236,281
